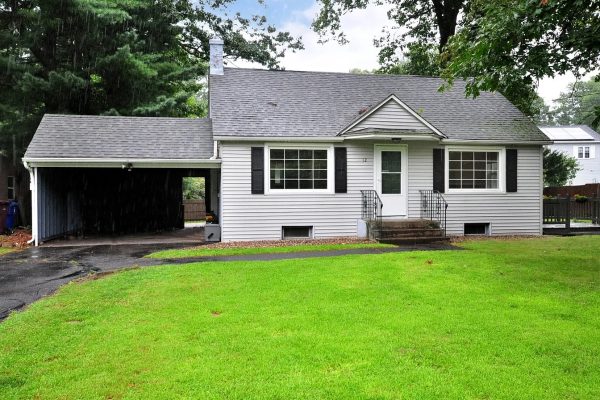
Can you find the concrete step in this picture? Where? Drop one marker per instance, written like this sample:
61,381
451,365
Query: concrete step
410,232
409,224
415,240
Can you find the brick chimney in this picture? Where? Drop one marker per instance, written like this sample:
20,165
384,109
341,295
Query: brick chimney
216,56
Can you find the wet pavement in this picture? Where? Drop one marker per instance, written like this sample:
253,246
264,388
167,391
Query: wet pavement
30,274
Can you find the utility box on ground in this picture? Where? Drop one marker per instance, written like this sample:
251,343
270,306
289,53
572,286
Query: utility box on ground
212,232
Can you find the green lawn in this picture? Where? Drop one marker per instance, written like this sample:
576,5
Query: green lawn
500,320
208,251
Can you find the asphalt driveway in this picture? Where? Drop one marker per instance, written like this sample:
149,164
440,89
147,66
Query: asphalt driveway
26,276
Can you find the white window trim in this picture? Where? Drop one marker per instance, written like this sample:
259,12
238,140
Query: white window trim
501,170
292,146
591,148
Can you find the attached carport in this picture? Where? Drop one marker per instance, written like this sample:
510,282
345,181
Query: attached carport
104,175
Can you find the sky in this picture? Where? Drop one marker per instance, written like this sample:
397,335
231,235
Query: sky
360,27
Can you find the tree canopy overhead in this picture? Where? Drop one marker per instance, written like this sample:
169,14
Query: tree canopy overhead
415,24
524,41
127,57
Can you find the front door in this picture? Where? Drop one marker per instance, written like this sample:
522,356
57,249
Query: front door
391,179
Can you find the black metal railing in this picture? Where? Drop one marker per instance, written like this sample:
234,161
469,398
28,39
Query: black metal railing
434,207
371,211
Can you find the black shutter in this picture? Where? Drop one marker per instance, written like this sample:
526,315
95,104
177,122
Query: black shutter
341,174
511,170
258,170
439,167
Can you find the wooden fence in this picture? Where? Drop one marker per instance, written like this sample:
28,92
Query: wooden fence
194,210
562,210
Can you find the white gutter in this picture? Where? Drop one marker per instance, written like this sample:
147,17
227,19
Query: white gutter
280,138
497,142
121,163
34,202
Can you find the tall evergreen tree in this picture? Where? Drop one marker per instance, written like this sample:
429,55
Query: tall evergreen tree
120,57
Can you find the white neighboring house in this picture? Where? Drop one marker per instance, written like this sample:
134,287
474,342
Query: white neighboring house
581,142
296,154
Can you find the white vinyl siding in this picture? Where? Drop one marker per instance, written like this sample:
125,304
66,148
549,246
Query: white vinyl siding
507,213
391,115
261,217
245,216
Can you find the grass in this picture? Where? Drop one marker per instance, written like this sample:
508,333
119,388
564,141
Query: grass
207,251
501,320
6,250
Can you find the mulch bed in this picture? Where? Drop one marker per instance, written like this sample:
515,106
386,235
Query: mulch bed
285,243
472,238
18,239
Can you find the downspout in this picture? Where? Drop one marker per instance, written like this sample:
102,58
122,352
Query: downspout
215,150
34,203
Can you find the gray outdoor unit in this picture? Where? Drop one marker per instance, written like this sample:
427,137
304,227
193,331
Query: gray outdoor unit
212,232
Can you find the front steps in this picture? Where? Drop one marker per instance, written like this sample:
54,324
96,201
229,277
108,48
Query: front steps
409,232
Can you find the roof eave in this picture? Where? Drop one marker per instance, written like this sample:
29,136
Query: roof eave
119,162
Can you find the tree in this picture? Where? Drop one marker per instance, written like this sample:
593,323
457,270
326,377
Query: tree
559,168
577,105
423,21
514,42
193,188
125,57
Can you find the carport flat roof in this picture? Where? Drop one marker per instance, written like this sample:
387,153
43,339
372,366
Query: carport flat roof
150,142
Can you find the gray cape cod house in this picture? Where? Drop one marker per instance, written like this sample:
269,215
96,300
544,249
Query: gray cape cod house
297,154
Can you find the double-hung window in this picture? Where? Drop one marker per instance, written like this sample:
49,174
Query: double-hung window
298,169
583,152
474,169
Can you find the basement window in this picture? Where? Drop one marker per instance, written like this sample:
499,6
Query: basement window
296,232
477,229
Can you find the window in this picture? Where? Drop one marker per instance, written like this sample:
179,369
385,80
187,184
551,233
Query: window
300,169
583,152
296,232
477,229
10,192
473,170
391,172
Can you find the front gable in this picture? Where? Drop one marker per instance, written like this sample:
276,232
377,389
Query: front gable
391,116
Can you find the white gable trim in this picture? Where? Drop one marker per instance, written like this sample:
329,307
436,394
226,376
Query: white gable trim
401,104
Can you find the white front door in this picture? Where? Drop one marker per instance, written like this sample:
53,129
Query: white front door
391,178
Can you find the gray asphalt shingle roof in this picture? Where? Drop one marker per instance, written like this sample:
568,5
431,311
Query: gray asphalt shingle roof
253,102
89,136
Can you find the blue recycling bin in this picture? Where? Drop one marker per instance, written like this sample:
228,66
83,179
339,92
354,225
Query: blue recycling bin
11,216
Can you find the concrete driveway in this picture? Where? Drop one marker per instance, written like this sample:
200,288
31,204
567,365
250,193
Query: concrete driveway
26,276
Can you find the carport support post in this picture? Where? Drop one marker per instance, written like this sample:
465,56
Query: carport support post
33,187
